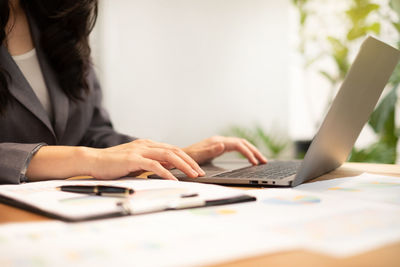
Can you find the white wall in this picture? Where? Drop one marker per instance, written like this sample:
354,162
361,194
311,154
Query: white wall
178,71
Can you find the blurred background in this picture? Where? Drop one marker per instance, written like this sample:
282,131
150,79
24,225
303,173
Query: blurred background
178,71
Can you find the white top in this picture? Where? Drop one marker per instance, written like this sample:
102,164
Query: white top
29,65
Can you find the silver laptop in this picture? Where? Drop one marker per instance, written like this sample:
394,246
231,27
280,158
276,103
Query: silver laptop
344,121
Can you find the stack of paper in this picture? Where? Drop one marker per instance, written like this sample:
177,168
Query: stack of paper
341,217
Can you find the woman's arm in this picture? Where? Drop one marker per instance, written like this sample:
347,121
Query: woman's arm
60,162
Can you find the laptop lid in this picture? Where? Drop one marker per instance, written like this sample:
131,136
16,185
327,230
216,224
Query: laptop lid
350,110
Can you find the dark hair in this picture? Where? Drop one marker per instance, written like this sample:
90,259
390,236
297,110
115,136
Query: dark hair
4,77
65,26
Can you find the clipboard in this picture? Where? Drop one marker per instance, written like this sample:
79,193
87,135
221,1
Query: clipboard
43,198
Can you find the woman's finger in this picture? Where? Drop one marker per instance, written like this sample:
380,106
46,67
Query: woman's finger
245,151
194,165
166,155
189,160
167,165
156,167
255,151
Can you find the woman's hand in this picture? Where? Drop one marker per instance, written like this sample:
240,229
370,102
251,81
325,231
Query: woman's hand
215,146
60,162
142,155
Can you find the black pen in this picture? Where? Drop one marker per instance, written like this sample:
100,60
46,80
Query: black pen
100,190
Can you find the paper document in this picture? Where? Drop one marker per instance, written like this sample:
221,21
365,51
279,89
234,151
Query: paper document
371,187
149,196
329,223
176,238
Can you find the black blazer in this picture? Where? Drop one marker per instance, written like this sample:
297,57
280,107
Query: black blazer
26,124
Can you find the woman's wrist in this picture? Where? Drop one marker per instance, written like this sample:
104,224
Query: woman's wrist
60,162
87,159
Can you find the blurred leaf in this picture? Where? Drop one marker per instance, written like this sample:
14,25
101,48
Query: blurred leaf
383,120
356,32
242,133
358,14
300,4
395,78
303,17
360,11
389,134
339,52
375,153
396,25
331,79
314,59
382,113
274,145
267,144
360,31
395,5
374,27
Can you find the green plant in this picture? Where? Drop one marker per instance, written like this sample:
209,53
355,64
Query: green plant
363,17
269,144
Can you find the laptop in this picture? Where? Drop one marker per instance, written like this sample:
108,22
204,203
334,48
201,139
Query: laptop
341,127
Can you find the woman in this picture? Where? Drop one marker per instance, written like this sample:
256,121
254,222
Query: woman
52,124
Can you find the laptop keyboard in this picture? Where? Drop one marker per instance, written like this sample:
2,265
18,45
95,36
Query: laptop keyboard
271,170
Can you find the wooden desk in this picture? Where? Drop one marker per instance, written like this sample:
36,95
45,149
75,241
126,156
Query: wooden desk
385,256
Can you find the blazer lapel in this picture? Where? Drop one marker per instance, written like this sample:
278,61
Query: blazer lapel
59,99
20,88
